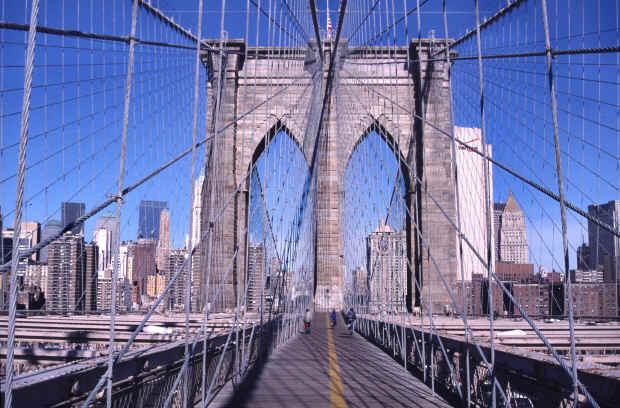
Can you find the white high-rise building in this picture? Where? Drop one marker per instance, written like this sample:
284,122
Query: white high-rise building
103,238
197,209
387,269
123,254
106,238
194,238
472,210
510,232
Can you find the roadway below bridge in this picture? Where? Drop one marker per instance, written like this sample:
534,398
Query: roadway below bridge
47,340
329,368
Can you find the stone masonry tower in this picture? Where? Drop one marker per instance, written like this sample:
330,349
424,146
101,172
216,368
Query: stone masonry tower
374,89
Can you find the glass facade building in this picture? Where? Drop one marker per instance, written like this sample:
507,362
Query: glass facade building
71,212
148,221
52,228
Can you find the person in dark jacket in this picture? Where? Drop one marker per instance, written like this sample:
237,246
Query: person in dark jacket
351,320
332,318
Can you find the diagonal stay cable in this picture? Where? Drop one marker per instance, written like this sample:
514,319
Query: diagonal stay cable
393,25
315,22
502,287
502,166
127,190
301,28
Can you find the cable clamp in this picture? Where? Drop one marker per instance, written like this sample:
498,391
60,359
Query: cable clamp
117,197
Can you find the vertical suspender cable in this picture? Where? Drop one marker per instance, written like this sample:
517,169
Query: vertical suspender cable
188,280
418,242
558,160
21,170
487,205
458,201
221,78
119,202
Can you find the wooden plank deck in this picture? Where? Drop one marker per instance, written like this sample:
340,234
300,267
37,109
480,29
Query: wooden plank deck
330,368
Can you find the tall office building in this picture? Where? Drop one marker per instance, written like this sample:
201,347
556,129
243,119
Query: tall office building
472,203
70,212
123,266
359,285
104,295
149,217
36,275
107,239
604,246
386,252
583,258
103,240
31,230
66,274
176,258
52,227
197,209
23,244
91,255
195,238
256,276
510,232
142,255
163,243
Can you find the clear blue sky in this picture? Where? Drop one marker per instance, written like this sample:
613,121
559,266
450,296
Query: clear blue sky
77,104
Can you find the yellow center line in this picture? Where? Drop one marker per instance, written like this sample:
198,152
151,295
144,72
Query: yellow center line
336,394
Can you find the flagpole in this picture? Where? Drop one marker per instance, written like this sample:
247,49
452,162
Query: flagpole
327,20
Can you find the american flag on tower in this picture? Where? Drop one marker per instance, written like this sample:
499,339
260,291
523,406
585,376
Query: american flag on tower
329,28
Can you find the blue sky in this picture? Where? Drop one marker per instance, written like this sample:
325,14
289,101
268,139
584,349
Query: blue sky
77,103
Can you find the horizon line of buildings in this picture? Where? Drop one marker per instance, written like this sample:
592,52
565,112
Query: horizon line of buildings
73,275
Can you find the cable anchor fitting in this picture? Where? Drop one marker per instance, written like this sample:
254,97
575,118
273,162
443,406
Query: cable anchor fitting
117,197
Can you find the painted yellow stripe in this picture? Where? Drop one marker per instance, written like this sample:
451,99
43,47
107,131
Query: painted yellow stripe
336,394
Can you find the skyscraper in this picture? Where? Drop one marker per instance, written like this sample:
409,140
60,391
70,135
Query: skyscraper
197,209
123,267
65,274
149,217
90,271
52,227
583,258
256,276
472,204
70,212
163,243
142,255
176,258
604,246
195,236
386,251
510,232
107,240
31,230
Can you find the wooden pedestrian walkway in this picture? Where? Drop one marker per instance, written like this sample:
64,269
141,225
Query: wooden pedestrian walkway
330,368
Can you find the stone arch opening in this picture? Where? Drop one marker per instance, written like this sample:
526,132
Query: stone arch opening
274,189
394,209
